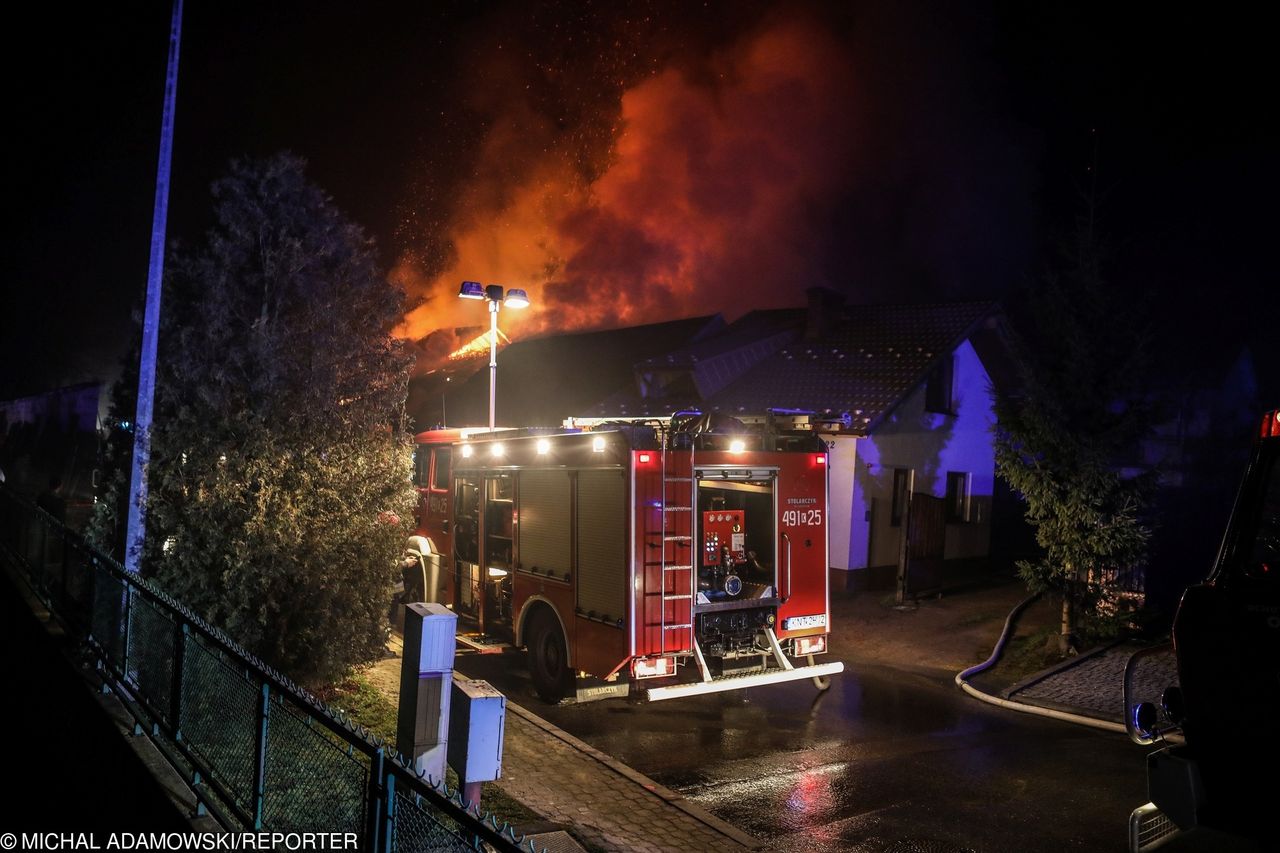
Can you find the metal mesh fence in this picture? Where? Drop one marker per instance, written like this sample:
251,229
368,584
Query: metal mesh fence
314,781
150,657
77,600
219,719
418,829
287,764
108,612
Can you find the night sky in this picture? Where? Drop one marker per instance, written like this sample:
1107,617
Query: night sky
628,163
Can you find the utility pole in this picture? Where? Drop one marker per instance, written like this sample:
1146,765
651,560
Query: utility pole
904,542
137,532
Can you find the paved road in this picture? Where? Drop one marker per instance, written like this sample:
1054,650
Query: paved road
885,761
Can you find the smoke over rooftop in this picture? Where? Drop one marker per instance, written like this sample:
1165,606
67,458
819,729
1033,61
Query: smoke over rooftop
709,196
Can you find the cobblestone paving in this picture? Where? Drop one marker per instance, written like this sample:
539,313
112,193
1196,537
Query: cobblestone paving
1095,683
604,802
612,808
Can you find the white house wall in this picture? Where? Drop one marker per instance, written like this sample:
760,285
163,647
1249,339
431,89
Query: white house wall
842,525
932,444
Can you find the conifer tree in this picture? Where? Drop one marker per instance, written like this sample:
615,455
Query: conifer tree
280,491
1062,434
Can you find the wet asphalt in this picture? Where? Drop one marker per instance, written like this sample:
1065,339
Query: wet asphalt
885,760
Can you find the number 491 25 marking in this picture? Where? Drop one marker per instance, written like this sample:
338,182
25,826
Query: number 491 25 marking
802,517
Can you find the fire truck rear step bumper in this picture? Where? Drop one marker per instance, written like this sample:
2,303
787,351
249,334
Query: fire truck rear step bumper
735,682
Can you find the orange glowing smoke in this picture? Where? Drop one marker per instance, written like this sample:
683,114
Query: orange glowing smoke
714,199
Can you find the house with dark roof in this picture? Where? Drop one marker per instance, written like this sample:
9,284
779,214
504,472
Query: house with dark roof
543,380
899,392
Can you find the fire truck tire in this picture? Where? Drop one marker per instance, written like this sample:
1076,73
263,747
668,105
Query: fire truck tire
548,659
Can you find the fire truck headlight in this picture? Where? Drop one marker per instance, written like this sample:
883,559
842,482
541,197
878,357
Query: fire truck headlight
544,447
497,450
467,450
597,444
737,446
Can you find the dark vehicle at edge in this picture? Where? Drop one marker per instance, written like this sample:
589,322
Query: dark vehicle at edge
1226,637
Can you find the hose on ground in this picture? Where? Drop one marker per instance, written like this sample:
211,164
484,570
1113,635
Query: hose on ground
962,681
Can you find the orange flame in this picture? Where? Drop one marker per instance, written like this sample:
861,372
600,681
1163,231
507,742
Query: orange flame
710,201
477,346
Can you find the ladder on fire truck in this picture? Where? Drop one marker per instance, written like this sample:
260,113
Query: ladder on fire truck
677,552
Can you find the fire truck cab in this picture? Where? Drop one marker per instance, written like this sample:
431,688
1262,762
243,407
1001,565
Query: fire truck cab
669,558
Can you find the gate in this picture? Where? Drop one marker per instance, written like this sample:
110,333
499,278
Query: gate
926,542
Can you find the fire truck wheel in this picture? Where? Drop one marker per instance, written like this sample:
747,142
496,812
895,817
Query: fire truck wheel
548,660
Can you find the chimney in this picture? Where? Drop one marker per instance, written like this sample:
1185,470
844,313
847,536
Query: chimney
825,306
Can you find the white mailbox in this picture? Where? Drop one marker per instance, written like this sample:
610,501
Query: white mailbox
475,731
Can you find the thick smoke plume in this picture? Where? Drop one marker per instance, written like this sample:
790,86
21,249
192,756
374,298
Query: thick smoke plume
713,198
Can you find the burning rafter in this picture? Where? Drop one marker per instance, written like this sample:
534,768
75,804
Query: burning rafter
477,346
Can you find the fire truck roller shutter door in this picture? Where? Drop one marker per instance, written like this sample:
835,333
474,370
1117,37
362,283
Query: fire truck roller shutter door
544,544
602,545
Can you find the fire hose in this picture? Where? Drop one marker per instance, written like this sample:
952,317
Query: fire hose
962,681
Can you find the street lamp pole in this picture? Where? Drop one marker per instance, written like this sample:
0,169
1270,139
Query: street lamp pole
496,297
136,532
493,362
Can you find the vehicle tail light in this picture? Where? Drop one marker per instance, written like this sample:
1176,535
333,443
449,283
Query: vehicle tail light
654,667
820,459
1270,425
811,645
644,458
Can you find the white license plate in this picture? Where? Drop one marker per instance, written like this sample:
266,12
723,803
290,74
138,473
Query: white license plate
795,623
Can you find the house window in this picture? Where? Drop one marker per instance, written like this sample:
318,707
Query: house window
901,487
938,387
957,496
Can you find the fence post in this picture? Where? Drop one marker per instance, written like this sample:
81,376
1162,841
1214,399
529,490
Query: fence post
39,573
175,688
66,552
260,765
376,795
126,602
389,821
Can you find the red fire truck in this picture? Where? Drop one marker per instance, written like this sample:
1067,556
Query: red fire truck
663,558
